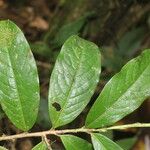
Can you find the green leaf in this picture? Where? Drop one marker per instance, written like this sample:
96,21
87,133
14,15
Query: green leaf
40,146
73,80
19,84
127,143
68,30
75,143
41,48
126,48
2,148
123,93
100,142
130,42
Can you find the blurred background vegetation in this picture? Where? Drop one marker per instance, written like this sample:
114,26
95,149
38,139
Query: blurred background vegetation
121,28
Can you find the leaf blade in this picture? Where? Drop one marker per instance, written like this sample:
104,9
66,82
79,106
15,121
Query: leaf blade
72,142
19,91
100,142
73,80
41,146
123,93
68,30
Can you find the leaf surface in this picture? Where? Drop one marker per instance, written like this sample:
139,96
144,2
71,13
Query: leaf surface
123,93
75,143
19,84
73,80
100,142
40,146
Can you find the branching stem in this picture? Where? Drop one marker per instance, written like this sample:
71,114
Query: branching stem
85,130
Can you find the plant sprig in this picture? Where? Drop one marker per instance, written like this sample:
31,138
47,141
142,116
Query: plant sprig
72,84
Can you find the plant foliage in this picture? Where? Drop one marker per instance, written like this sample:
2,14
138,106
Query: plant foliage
73,80
19,83
72,84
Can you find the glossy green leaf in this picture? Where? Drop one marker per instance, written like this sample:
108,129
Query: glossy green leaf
40,146
123,93
75,143
73,80
100,142
19,84
2,148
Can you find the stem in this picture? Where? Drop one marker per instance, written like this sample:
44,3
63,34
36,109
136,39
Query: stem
58,132
47,142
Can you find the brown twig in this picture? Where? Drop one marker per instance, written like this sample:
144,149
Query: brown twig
47,142
85,130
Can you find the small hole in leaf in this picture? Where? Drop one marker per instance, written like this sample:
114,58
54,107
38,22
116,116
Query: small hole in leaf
56,106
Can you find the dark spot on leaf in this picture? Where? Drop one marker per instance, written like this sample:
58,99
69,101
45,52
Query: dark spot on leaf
56,106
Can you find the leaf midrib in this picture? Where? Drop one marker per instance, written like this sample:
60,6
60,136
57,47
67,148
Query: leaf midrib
119,96
70,89
17,90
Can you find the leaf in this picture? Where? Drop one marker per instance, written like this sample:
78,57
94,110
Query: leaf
126,48
100,142
41,49
75,143
123,93
40,146
70,29
19,84
130,42
73,80
2,148
127,143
